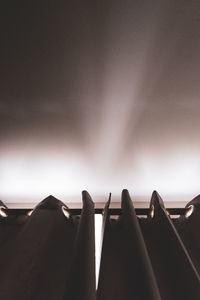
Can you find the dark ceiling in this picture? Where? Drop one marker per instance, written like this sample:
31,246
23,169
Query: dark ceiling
99,95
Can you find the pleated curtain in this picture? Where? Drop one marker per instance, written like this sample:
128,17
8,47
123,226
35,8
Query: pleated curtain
47,256
50,254
150,258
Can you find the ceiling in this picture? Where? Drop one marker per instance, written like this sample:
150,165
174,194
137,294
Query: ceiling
99,95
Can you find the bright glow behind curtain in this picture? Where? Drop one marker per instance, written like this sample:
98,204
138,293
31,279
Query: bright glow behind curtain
51,256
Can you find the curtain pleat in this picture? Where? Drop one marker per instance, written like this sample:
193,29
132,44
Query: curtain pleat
188,229
175,272
126,271
81,279
150,258
47,256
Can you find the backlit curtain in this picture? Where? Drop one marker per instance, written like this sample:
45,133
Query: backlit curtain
150,258
49,254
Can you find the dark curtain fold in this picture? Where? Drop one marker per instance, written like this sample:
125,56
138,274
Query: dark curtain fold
50,254
150,258
189,231
126,271
47,256
81,279
175,272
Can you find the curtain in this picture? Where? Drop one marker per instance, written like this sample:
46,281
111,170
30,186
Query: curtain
150,258
49,254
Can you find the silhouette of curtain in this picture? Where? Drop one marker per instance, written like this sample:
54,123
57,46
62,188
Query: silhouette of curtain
150,258
50,254
47,255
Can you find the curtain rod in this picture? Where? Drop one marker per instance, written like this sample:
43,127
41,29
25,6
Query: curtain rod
112,211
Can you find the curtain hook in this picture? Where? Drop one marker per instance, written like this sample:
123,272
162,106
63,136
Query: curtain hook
65,212
152,211
29,213
189,211
2,212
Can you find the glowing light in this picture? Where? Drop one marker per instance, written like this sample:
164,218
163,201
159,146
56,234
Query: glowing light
174,176
98,243
189,211
34,177
124,107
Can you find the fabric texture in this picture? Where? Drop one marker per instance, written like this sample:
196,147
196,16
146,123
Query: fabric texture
46,256
150,258
49,254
